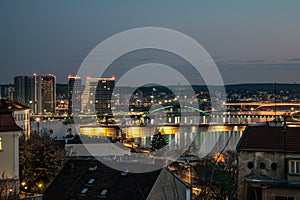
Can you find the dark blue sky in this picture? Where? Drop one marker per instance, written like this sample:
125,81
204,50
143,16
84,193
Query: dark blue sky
253,41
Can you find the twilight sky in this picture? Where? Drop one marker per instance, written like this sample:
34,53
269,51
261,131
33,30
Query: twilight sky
253,41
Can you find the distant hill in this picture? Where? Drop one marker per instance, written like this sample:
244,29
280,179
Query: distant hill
62,89
264,86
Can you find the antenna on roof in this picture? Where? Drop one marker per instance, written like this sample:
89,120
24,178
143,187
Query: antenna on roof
284,143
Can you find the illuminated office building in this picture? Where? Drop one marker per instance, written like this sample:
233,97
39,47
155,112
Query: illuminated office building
37,92
96,97
48,94
104,91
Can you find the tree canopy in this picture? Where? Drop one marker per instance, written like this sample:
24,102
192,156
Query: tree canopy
41,159
158,141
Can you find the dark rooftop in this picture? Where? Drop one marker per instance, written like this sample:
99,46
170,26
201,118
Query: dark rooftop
6,104
7,122
90,179
268,138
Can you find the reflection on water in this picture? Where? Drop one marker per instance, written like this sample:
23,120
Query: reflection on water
200,140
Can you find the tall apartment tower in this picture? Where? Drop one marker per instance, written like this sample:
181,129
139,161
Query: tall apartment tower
48,93
74,94
36,94
88,95
104,91
22,89
96,96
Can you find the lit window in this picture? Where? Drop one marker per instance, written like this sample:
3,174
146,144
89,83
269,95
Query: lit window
294,167
1,147
103,192
84,190
91,181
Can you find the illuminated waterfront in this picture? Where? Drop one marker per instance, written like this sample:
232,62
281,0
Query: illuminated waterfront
222,135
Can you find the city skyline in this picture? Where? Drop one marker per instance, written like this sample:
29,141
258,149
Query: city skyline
247,40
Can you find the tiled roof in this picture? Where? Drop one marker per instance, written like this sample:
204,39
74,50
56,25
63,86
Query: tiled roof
7,122
268,138
74,177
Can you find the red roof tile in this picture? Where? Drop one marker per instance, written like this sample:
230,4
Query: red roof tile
7,122
267,138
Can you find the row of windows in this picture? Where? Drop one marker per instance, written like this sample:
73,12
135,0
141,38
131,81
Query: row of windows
262,165
294,166
102,192
21,117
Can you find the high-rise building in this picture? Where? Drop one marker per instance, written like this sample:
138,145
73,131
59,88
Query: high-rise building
36,94
104,91
74,94
88,95
22,89
48,93
96,96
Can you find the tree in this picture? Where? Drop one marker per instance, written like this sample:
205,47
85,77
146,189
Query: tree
9,188
158,140
40,161
217,180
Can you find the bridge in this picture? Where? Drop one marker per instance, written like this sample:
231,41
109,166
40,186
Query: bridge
260,112
263,106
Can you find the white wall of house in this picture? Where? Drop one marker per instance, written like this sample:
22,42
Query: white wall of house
9,154
22,119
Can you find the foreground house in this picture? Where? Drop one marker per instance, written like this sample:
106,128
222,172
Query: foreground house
21,114
87,178
269,163
9,156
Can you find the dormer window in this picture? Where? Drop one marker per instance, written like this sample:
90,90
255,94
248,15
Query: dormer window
103,193
125,172
294,167
84,191
92,167
91,181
